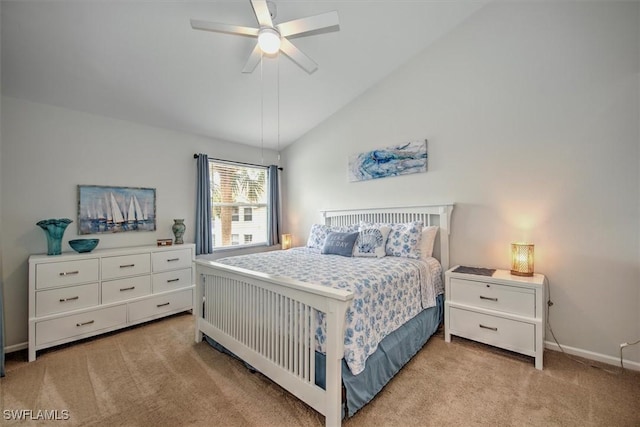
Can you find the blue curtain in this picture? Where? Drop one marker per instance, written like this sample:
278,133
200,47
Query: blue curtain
204,239
1,332
273,232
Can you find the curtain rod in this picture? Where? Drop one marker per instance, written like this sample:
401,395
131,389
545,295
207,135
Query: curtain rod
195,156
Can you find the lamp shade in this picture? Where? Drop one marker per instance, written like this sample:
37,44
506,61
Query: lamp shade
286,241
522,259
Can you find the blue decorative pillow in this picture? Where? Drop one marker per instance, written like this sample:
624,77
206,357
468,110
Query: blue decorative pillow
372,242
404,238
319,232
339,243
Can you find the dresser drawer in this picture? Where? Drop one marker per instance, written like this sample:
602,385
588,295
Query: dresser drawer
125,265
170,280
509,299
171,260
497,331
127,288
160,304
79,324
51,275
67,299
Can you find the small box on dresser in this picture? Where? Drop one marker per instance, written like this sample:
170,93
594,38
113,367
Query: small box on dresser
502,310
78,295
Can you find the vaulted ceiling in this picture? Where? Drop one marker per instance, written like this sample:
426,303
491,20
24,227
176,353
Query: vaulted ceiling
141,61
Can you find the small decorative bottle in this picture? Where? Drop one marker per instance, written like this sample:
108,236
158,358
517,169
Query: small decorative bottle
178,229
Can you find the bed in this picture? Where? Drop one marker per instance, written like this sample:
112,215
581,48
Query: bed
301,324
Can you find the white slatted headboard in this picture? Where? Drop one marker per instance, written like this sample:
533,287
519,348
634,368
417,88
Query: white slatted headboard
439,215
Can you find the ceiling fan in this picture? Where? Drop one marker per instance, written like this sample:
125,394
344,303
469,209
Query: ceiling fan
273,38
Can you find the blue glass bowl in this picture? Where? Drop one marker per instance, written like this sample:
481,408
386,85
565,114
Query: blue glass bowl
83,245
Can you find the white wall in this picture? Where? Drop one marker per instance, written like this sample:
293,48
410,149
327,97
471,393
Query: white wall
531,112
47,151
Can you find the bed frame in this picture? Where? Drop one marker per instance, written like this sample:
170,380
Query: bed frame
268,321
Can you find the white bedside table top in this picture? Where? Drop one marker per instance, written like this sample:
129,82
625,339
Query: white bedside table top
503,276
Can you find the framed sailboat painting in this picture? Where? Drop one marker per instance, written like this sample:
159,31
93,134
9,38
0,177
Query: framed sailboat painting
104,209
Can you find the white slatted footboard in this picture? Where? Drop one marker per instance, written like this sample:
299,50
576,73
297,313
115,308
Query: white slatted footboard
270,323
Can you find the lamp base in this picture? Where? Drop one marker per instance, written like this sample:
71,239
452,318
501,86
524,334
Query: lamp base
519,273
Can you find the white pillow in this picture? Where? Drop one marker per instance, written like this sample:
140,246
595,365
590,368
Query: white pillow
428,240
371,242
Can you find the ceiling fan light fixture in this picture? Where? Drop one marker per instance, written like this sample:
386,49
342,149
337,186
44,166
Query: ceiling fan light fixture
269,41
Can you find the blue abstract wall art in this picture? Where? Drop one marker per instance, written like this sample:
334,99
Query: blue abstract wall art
401,159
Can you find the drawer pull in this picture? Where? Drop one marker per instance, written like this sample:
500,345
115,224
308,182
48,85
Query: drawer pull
85,323
69,299
173,259
489,299
173,280
127,266
127,289
488,327
162,305
69,273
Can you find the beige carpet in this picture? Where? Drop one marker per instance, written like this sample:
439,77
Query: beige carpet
155,375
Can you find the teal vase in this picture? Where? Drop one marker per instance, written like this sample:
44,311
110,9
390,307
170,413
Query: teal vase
178,228
54,229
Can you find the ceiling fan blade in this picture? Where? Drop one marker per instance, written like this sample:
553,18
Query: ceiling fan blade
325,22
298,56
223,28
254,60
263,15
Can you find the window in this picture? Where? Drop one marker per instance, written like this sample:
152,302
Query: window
235,187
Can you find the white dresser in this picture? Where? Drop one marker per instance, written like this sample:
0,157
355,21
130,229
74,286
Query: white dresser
74,296
502,310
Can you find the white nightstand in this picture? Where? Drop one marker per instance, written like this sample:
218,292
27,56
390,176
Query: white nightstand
502,310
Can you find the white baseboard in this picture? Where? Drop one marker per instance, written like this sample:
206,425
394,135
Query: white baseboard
16,347
628,364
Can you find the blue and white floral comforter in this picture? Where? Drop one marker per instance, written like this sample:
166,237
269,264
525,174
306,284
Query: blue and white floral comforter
387,291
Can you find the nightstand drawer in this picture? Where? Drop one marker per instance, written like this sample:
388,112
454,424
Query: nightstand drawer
66,273
493,330
126,265
67,299
509,299
171,260
124,289
171,280
155,306
80,324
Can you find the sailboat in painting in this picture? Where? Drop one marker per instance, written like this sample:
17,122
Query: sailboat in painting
135,212
116,213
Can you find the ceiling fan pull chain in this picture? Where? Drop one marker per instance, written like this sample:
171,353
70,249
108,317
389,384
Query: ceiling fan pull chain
278,88
261,114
